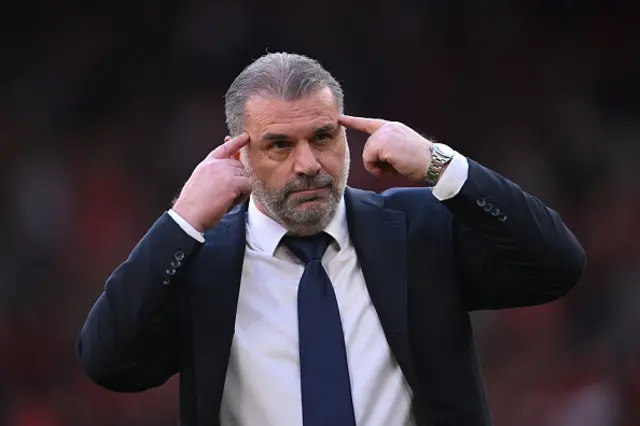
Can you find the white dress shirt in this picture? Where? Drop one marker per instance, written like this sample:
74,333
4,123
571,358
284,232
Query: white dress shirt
263,378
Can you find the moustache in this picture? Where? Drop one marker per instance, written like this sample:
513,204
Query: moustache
304,183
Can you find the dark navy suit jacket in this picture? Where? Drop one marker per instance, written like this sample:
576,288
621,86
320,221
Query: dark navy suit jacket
171,306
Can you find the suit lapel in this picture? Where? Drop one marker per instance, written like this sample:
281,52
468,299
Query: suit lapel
214,300
379,237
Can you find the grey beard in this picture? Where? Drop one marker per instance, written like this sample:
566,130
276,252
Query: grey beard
278,204
284,210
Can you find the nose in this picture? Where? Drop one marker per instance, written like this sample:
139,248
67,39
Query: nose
305,161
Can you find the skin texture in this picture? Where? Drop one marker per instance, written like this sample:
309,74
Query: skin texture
294,158
216,184
298,159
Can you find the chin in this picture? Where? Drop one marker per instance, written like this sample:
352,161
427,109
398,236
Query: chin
312,211
303,227
307,215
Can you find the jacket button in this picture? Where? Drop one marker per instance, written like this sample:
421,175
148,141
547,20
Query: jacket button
179,255
170,271
481,202
487,207
495,212
175,264
502,217
166,281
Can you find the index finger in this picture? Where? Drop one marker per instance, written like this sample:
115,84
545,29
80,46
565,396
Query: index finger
230,147
367,125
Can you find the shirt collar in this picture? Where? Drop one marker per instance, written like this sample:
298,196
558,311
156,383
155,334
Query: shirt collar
266,233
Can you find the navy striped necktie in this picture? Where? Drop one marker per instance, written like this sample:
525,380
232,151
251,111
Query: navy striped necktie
324,373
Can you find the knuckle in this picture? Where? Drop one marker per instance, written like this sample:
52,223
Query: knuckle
209,167
395,127
228,179
201,168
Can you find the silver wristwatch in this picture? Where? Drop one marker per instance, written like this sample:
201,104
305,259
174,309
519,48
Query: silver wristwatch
441,155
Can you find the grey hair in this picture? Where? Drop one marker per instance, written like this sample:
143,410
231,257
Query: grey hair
280,75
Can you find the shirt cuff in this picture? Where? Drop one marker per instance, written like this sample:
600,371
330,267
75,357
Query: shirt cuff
186,227
453,178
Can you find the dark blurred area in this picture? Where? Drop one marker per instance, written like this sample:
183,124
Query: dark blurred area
106,107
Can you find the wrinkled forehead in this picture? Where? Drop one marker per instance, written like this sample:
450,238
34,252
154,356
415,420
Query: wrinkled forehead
296,119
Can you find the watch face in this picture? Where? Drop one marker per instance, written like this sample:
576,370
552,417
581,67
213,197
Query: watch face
444,150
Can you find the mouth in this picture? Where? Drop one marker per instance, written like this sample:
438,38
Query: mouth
311,191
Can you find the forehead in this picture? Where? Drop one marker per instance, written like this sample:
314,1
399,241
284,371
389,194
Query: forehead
277,115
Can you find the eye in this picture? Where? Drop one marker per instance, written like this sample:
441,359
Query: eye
323,137
278,145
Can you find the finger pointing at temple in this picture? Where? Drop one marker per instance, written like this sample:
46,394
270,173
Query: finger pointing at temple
362,124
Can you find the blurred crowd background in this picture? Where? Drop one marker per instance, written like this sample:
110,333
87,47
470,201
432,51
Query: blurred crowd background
106,107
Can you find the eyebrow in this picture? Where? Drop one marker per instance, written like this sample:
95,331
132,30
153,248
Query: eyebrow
327,128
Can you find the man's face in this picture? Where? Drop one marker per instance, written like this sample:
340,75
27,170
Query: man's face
297,158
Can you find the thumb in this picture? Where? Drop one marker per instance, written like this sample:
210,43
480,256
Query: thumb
371,161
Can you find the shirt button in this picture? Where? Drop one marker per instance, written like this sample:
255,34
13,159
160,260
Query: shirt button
179,255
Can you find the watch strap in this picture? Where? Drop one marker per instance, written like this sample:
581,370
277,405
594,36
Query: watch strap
439,159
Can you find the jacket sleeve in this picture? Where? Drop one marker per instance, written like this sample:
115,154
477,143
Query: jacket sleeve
131,338
514,250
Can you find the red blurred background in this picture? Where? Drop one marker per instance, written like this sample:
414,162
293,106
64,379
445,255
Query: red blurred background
105,109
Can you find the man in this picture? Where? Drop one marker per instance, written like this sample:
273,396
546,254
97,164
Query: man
311,303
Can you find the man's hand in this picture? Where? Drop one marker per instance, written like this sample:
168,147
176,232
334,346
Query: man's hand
217,184
392,147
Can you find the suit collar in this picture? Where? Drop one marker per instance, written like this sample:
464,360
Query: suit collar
379,237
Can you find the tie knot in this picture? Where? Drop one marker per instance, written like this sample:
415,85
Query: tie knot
308,248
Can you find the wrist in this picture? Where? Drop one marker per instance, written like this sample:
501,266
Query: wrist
189,216
441,156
